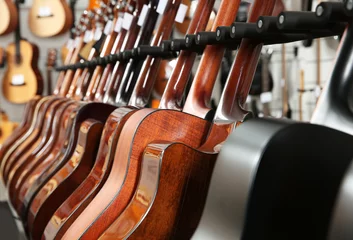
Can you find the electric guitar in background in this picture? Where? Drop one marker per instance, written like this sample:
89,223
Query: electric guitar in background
8,17
48,18
22,80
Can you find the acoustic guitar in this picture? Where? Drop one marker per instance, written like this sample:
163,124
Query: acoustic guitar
95,219
8,17
153,193
22,80
48,18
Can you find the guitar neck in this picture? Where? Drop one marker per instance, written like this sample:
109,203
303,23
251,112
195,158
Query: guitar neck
72,8
18,32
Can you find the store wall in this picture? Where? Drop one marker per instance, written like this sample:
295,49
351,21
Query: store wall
15,110
306,61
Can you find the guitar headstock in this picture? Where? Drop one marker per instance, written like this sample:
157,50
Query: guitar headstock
51,58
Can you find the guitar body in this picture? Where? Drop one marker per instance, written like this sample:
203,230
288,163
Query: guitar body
23,144
42,159
48,18
8,17
22,128
121,183
178,205
84,112
26,162
22,158
59,187
83,195
22,81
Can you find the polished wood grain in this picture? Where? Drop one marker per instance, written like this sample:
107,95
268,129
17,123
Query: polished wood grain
174,91
26,69
97,111
39,115
198,103
47,199
147,76
8,17
44,158
30,159
22,158
59,21
93,209
71,208
171,123
22,128
179,204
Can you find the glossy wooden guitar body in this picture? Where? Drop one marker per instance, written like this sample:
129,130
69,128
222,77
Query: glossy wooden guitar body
48,135
8,17
22,128
83,195
49,18
43,159
92,211
182,219
97,111
47,200
102,205
27,70
39,115
21,158
158,196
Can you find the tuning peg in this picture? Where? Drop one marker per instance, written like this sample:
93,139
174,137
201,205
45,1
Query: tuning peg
190,40
223,33
332,11
206,38
267,24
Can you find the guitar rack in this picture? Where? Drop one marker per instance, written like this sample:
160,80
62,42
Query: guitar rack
329,19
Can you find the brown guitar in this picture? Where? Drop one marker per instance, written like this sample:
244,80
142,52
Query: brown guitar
22,80
93,222
8,17
48,18
179,206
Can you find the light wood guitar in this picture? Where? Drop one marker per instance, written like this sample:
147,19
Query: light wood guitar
48,18
8,17
22,80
